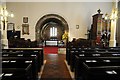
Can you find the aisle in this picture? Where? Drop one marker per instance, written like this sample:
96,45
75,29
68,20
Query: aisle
55,68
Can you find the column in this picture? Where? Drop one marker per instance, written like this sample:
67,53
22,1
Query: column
4,39
4,35
113,26
113,34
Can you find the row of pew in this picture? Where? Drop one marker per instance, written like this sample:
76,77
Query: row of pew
94,63
21,63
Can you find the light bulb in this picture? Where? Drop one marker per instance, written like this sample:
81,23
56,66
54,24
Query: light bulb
106,16
12,15
2,18
6,13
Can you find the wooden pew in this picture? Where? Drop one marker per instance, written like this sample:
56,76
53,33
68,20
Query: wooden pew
79,63
24,54
11,71
76,51
23,60
38,51
68,49
101,71
90,53
71,47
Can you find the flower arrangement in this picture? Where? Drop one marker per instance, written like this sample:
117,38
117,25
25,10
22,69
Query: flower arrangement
65,35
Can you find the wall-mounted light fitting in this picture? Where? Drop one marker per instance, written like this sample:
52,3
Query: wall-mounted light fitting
4,14
113,16
77,26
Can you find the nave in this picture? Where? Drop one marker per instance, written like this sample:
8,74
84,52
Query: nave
55,68
86,37
83,63
32,64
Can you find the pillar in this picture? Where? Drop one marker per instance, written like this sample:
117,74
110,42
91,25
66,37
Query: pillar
113,34
4,39
113,25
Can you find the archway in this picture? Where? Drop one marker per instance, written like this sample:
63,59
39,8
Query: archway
44,24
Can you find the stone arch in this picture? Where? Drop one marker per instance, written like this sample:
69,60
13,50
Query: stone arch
46,19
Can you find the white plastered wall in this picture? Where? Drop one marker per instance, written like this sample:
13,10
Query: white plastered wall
75,13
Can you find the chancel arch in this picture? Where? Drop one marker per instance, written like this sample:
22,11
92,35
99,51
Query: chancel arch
48,23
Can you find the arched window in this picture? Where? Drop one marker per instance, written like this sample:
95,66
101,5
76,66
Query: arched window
53,32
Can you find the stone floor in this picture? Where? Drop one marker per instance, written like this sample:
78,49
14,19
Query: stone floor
55,68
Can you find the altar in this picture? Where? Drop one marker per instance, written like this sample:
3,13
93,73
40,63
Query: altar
54,43
51,43
53,47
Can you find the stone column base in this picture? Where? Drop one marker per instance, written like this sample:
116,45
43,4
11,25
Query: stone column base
112,43
4,44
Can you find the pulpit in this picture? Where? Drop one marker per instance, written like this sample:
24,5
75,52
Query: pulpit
100,30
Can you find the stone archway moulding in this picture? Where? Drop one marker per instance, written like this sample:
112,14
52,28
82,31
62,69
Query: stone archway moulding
47,18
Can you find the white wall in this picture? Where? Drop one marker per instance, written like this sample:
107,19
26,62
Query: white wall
75,13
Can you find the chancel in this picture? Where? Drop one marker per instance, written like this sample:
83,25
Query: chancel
60,40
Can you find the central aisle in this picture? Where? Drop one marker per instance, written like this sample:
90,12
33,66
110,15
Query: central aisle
55,68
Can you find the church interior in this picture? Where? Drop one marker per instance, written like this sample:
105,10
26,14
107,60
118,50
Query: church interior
60,40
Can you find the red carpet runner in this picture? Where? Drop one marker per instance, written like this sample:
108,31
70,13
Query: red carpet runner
50,50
